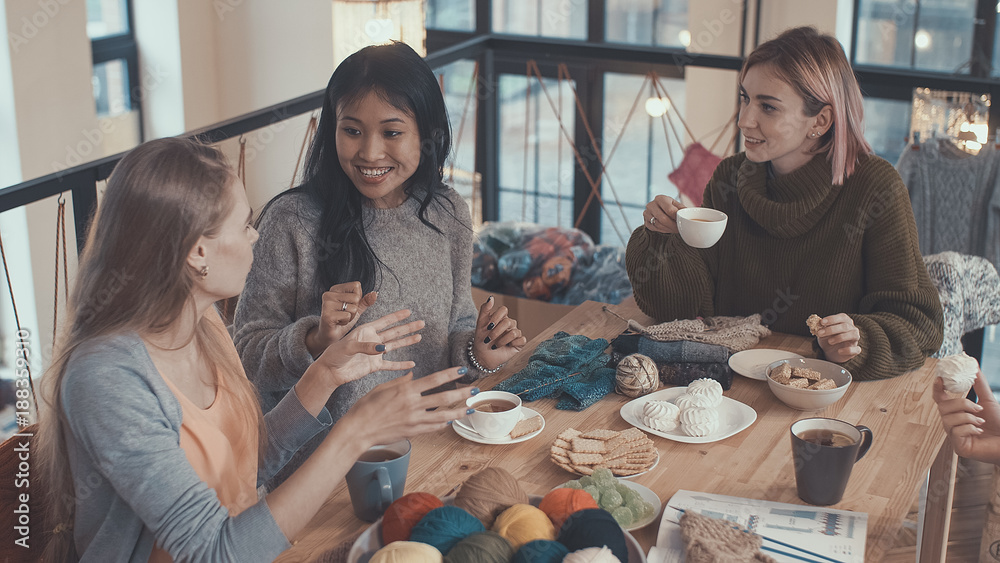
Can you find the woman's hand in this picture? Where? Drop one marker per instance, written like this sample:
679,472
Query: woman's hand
661,214
339,312
974,429
398,409
839,338
360,352
497,338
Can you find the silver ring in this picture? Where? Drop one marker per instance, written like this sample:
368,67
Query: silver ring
652,220
344,307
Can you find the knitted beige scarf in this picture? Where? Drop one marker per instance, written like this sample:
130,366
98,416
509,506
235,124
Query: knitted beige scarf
707,540
735,333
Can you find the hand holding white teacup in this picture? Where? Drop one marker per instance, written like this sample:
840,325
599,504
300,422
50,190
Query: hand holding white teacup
701,227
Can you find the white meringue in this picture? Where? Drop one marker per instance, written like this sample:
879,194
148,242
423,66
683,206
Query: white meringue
699,421
958,372
662,416
707,387
689,400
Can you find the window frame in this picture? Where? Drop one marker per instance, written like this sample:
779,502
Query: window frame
123,46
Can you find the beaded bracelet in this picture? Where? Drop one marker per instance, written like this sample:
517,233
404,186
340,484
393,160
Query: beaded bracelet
475,363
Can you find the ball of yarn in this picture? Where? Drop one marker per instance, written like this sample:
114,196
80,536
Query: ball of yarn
540,551
592,555
523,523
484,547
488,493
406,552
636,375
444,527
594,528
404,513
560,503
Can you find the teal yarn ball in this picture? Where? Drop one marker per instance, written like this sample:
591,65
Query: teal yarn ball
444,527
594,527
483,547
540,551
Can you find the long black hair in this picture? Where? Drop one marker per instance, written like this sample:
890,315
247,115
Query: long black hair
398,75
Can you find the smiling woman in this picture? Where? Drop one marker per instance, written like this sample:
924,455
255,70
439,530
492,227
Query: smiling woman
815,221
372,229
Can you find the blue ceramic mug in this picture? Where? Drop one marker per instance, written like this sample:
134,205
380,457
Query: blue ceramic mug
378,478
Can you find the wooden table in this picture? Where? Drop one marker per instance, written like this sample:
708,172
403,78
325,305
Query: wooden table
755,463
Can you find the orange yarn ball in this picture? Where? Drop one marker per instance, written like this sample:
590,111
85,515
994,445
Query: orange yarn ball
403,514
559,504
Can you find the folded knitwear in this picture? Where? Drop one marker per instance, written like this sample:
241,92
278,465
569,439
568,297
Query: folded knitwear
571,367
682,374
678,351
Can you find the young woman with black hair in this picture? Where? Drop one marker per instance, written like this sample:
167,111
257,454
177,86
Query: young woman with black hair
372,229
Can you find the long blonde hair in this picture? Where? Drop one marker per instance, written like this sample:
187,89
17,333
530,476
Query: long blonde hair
134,277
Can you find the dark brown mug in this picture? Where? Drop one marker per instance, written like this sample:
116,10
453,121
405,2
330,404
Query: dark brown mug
824,451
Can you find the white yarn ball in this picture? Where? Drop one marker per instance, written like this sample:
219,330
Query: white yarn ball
637,375
592,555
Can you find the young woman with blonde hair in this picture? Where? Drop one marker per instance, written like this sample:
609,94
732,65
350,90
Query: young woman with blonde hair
817,224
152,440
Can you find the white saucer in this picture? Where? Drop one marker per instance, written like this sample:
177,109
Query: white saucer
465,431
753,363
734,417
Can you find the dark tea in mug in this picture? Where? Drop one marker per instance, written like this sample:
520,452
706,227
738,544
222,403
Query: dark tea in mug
828,438
378,455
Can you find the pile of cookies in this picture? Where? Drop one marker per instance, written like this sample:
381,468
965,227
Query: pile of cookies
624,453
801,378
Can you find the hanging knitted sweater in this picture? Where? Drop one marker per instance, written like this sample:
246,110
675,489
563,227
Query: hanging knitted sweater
796,245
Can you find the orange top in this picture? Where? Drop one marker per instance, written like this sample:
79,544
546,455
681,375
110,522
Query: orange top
221,447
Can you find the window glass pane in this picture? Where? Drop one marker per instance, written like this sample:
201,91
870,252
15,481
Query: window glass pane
943,40
887,126
885,32
459,15
931,35
461,101
536,169
111,88
106,18
637,169
648,22
546,18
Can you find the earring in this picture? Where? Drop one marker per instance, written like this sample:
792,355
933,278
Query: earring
203,272
813,134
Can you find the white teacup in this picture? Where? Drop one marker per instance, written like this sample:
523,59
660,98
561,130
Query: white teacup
496,414
701,227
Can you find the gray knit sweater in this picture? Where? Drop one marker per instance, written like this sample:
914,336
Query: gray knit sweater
134,483
427,272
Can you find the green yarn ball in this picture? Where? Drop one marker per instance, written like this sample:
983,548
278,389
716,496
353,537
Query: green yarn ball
482,547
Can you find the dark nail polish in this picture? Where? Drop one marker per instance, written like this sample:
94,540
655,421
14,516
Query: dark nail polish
494,347
470,411
380,347
449,422
474,392
487,340
490,326
463,370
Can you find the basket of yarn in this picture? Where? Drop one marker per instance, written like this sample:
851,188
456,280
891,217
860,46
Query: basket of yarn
636,375
564,525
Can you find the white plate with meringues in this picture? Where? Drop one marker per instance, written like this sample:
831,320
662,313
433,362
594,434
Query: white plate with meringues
734,417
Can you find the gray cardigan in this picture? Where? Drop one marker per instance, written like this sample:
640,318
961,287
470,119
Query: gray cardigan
134,485
428,273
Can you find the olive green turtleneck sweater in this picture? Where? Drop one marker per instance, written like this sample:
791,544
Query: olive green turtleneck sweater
797,245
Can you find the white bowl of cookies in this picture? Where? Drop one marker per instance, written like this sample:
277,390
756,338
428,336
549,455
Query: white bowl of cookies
806,383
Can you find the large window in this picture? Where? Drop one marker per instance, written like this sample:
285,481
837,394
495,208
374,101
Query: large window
546,18
117,93
647,22
536,159
935,35
887,126
455,15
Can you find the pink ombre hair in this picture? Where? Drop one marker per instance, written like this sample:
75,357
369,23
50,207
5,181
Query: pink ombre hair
814,65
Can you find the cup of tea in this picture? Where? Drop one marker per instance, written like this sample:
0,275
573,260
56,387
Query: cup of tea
824,451
496,413
378,478
701,227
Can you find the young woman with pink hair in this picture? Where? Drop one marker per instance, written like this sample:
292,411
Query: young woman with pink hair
817,224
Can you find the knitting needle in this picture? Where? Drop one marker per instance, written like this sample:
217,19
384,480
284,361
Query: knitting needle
681,510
